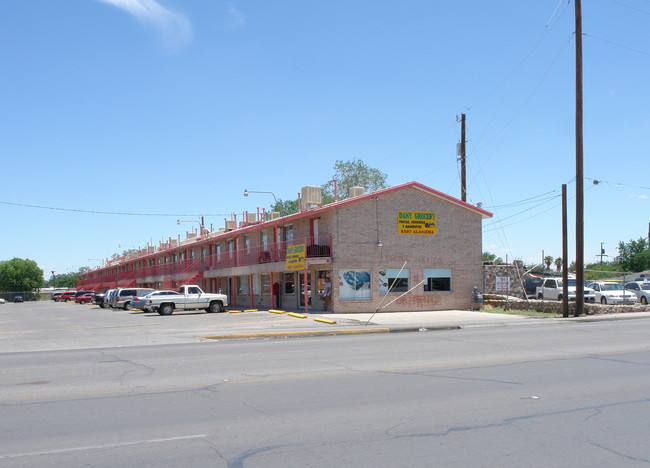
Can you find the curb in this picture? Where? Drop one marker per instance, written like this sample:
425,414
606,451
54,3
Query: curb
297,334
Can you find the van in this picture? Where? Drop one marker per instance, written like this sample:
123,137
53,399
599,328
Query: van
124,296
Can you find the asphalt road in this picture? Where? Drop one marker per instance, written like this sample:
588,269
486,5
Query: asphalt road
556,394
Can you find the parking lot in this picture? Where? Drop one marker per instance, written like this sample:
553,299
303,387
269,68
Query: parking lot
39,326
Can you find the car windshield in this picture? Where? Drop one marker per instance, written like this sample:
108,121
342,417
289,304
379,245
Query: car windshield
611,287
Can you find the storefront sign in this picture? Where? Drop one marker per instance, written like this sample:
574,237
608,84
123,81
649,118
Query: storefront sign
296,257
416,222
503,283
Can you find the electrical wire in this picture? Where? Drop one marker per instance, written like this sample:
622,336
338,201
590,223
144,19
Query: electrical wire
116,213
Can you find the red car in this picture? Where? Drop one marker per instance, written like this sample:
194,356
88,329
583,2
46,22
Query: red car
84,298
67,296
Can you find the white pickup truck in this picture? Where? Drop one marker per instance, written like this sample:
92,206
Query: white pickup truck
189,297
551,290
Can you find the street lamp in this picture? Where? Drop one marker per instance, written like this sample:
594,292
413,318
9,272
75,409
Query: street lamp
246,192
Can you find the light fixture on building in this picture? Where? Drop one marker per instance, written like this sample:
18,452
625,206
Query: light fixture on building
246,192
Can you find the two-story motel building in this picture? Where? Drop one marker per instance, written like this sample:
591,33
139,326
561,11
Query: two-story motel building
403,248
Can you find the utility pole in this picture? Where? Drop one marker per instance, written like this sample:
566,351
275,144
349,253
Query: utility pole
565,255
463,181
602,253
580,213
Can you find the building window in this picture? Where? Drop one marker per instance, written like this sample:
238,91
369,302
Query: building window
288,232
256,285
354,285
289,284
218,247
247,243
393,281
264,239
266,285
242,285
437,280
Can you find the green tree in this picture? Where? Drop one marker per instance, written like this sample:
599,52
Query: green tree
490,257
353,173
548,260
285,207
632,256
348,174
20,274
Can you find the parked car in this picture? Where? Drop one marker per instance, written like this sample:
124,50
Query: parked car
530,284
110,298
84,298
141,302
2,301
56,296
98,299
609,292
124,296
18,298
552,289
641,289
68,295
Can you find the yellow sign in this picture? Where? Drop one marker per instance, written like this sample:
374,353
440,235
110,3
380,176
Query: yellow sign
417,222
296,257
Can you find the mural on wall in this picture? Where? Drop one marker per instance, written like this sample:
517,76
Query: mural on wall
354,285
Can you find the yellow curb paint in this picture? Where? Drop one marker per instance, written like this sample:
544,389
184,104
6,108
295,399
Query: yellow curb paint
331,322
234,311
293,314
250,310
275,311
297,334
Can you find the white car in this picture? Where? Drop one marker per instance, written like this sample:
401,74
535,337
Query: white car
2,301
609,292
641,289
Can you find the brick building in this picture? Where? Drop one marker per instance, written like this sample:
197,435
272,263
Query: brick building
403,248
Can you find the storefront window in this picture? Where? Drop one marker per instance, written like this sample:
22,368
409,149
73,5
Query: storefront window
354,285
242,285
394,281
256,285
437,280
266,285
289,284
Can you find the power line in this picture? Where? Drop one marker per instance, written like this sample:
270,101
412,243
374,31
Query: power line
617,45
117,213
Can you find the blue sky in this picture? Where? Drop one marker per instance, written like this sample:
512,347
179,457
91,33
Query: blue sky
170,107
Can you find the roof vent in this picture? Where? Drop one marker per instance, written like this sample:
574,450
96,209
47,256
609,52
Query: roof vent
311,196
356,191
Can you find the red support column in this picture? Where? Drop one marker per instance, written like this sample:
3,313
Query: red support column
251,290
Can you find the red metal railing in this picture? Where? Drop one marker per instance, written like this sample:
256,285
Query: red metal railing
192,269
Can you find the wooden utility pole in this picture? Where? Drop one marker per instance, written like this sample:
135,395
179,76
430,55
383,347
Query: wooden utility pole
580,254
463,181
565,255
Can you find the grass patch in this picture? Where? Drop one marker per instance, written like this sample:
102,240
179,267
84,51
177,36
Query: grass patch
529,313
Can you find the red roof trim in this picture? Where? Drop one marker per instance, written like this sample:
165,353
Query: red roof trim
311,213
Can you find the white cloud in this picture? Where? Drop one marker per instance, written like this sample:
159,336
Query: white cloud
173,27
642,197
236,18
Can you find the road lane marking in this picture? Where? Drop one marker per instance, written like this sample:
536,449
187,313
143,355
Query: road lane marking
99,447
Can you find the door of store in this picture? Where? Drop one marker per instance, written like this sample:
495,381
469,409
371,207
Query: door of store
302,290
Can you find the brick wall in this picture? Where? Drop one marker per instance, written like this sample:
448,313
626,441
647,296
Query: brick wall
357,228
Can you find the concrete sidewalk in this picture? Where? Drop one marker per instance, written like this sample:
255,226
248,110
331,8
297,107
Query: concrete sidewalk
300,324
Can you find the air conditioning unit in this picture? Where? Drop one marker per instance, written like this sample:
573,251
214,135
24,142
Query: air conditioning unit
271,215
356,191
310,196
190,235
174,243
251,218
230,225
